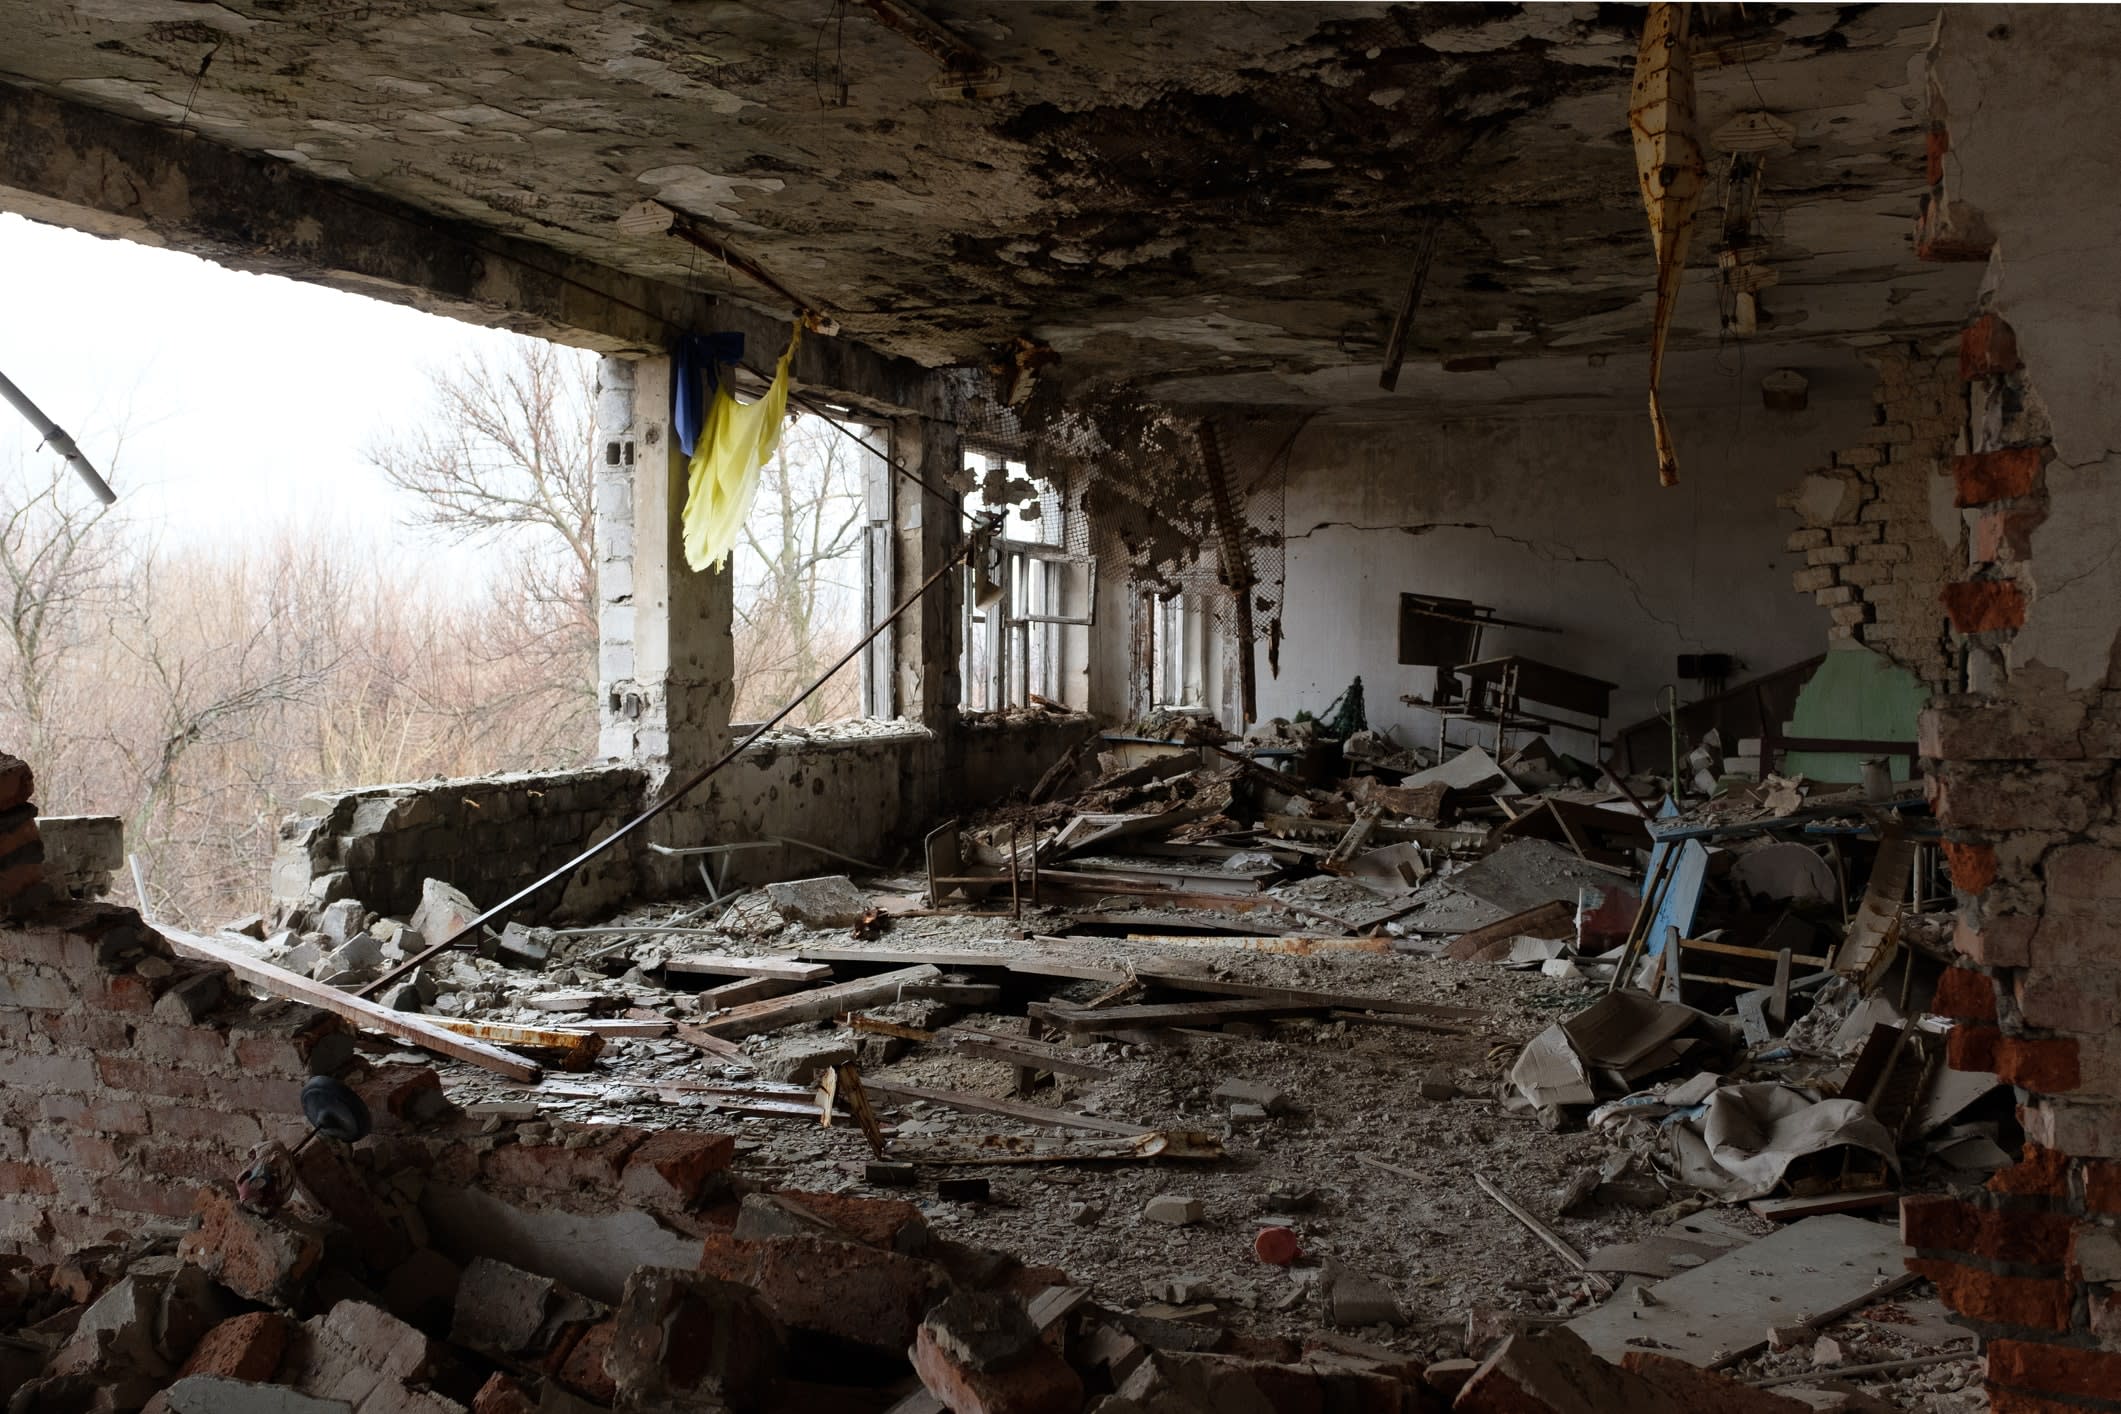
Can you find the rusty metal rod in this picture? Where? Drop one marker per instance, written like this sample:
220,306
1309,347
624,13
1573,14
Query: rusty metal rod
698,780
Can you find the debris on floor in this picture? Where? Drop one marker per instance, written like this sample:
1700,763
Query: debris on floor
1288,1072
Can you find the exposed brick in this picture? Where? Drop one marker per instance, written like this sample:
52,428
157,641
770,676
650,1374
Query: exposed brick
676,1167
122,992
1936,1223
1935,144
681,1337
168,1199
1972,1048
1973,866
2039,1065
501,1394
2033,1303
1964,994
1038,1381
880,1222
868,1295
1984,605
2039,1172
2102,1187
26,1178
233,1128
87,1030
581,1369
46,947
198,1046
2054,1369
47,1075
2082,999
152,1078
1981,477
2005,537
1987,347
261,1259
246,1347
589,1158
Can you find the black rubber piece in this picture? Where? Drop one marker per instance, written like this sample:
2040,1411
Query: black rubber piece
335,1111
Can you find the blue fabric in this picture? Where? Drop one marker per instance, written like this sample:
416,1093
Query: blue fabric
692,381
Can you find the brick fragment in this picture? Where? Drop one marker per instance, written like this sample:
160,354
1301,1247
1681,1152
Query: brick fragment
582,1370
980,1354
678,1168
246,1347
1973,866
867,1295
1984,605
2045,1066
1938,1223
1705,1391
1981,477
2053,1369
682,1336
502,1395
2033,1303
267,1260
1987,346
1965,995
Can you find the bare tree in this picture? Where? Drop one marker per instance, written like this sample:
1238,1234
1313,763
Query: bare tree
798,576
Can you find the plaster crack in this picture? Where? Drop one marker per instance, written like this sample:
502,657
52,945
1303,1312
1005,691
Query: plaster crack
1549,550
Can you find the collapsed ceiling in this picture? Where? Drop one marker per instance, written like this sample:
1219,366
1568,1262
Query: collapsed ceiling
1222,203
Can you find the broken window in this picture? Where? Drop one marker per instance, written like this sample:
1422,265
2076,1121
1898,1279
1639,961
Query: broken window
1179,652
1028,596
802,571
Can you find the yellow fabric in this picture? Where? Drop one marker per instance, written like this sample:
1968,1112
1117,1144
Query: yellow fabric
736,442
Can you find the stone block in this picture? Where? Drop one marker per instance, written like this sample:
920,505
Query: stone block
830,901
1174,1209
1269,1097
1356,1299
802,1060
443,913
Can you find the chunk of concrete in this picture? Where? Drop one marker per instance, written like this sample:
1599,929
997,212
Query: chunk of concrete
356,960
523,947
339,921
262,1259
980,1354
801,1061
443,913
1437,1084
217,1394
1175,1209
830,901
1270,1098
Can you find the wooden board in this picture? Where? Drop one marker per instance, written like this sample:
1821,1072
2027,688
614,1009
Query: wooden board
816,1005
1202,1013
1014,1109
788,969
1019,1050
368,1015
1553,919
1318,1001
1721,1310
1031,965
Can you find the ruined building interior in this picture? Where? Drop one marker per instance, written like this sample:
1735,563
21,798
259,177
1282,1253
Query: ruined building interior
1484,768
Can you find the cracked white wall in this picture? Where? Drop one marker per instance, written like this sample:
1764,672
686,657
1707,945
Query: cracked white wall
1556,520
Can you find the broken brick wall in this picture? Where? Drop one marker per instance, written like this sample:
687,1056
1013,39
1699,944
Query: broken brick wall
1878,529
2024,747
488,835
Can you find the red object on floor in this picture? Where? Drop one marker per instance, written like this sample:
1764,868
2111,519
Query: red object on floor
1277,1246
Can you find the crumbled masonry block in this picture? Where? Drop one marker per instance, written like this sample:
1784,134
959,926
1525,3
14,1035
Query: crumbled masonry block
980,1354
502,1395
802,1060
868,1295
830,901
267,1260
505,1310
444,912
677,1169
217,1394
246,1347
1270,1098
1174,1209
682,1335
81,852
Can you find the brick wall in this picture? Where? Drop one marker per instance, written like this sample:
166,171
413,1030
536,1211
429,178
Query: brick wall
489,836
1878,535
2022,778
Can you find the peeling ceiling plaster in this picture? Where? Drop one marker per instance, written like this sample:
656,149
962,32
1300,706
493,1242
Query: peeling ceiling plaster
1217,199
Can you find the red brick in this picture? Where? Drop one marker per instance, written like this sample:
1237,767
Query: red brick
2034,1303
213,1126
149,1078
123,992
688,1340
1973,866
581,1369
2102,1186
2006,537
87,1030
46,947
259,1094
197,1046
880,1222
867,1295
1981,477
100,1116
19,878
592,1163
404,1094
2043,1066
26,1178
2003,1401
246,1347
1964,994
1972,1048
1987,346
261,1259
1935,143
173,1199
83,1151
502,1395
2039,1172
47,1075
1038,1383
2054,1369
676,1167
1984,605
2000,1235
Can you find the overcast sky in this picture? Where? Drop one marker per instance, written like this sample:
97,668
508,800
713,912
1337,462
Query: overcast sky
245,400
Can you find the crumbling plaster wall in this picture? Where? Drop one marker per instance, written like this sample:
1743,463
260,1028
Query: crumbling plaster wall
2023,754
1553,519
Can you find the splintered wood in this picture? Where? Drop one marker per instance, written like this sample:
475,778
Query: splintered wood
1669,166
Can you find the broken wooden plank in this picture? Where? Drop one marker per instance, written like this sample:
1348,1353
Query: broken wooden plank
1783,1210
960,960
1242,942
876,1026
693,1036
854,1094
1410,1023
565,1047
1022,1051
1553,919
1202,1013
1540,1230
1014,1109
1062,1149
637,1027
570,1001
744,990
1317,1001
816,1005
788,969
371,1016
